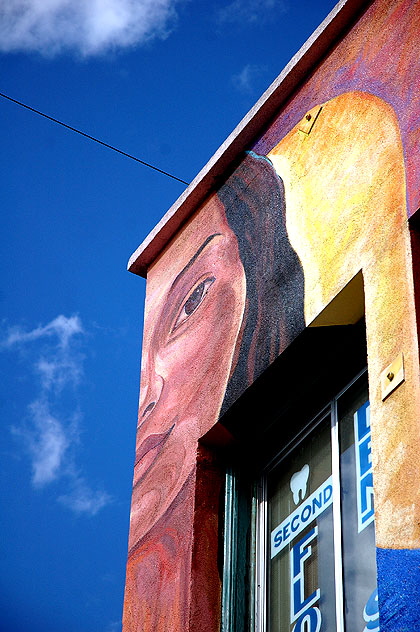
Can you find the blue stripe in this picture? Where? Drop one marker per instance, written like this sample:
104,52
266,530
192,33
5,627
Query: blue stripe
399,589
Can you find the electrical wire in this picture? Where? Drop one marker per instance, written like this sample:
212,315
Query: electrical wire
96,140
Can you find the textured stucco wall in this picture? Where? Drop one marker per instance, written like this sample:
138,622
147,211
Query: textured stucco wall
322,196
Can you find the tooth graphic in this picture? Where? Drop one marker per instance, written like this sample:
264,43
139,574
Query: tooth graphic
298,484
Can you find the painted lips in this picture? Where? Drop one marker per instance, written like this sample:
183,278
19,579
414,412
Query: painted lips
147,453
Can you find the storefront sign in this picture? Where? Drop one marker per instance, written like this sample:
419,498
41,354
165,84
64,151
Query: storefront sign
308,511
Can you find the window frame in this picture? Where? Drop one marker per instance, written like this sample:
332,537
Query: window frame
319,363
262,558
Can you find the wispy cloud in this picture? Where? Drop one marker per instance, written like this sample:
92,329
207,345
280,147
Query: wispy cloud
61,328
245,80
87,27
250,11
50,430
82,500
46,440
114,626
63,365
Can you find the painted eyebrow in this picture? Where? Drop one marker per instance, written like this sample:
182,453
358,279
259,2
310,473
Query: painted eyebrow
193,258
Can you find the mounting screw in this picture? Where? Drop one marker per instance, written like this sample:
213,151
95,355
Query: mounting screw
392,376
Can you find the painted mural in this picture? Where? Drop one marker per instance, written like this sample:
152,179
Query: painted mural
219,310
321,197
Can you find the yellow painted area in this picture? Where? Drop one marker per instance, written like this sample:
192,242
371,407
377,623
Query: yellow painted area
346,213
347,308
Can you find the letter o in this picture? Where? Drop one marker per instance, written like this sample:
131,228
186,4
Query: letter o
302,516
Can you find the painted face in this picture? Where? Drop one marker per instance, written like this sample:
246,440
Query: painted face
194,309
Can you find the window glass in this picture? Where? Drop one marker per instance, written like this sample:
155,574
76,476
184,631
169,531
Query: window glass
321,573
357,513
301,584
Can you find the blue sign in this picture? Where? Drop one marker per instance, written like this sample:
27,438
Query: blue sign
303,608
364,475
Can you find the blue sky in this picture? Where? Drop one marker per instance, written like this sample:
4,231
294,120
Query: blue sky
167,82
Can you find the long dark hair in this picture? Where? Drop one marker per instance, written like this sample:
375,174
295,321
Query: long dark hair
254,201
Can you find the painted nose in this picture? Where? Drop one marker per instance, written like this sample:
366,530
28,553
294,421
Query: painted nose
148,408
153,393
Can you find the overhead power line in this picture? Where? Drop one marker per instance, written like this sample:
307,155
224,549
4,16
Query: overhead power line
96,140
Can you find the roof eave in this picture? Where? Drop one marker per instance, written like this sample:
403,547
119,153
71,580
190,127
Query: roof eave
323,38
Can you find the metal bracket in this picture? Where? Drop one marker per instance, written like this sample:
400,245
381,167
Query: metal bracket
309,120
392,376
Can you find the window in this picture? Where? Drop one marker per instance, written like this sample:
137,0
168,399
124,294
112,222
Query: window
315,564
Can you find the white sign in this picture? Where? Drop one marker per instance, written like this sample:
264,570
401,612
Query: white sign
308,511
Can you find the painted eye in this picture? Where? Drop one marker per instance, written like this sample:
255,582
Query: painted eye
193,301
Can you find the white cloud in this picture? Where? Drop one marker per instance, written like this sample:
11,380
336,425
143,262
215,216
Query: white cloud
87,27
245,79
61,327
250,11
114,626
62,365
82,499
46,441
48,434
57,372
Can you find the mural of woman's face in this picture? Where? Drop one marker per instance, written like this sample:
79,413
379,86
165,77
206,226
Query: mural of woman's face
194,309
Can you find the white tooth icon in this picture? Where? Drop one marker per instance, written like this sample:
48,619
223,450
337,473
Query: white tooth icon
298,484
